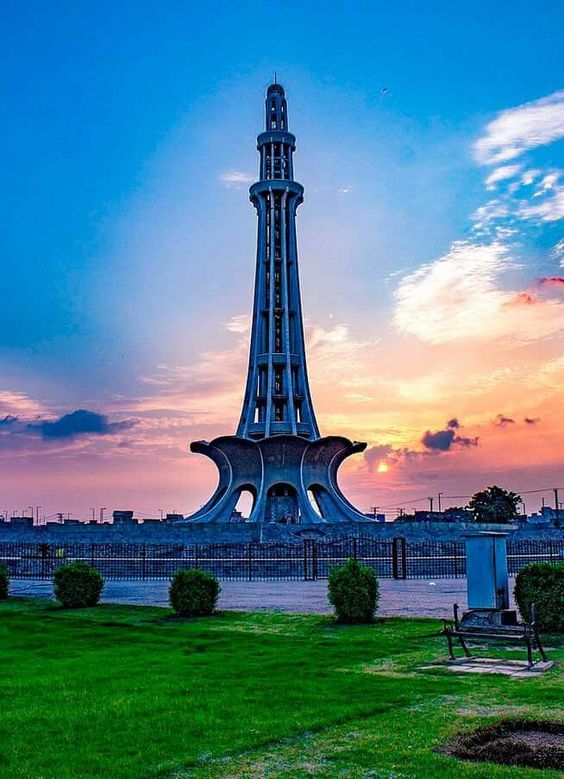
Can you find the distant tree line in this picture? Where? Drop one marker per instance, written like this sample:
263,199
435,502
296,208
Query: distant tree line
494,504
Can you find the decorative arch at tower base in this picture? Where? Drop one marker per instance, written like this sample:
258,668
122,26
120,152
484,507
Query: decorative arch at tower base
291,480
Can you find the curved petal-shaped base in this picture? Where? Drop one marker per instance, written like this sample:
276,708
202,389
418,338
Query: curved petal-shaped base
281,472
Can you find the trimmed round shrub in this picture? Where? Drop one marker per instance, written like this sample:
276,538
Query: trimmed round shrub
77,585
353,592
543,585
4,582
193,593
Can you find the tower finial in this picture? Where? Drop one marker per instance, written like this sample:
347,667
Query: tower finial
276,82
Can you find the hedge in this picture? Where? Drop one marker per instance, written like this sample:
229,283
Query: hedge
543,585
4,582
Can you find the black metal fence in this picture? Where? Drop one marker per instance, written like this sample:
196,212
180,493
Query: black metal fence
309,559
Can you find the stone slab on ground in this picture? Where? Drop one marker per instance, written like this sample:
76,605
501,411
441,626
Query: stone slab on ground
403,598
517,669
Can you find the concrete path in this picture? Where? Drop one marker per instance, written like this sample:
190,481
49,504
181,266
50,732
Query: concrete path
409,598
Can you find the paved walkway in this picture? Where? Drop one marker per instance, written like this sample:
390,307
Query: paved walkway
409,598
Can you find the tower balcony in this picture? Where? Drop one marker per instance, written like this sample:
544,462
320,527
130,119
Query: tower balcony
276,185
280,358
276,136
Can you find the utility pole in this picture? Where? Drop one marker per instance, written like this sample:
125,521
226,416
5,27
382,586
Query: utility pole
60,516
439,499
400,512
374,510
37,512
161,513
430,499
102,514
93,513
556,498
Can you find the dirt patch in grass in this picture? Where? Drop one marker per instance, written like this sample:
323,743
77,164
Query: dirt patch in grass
522,742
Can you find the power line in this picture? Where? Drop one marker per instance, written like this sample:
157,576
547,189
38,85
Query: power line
409,501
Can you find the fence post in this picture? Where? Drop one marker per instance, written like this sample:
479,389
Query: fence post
92,546
395,572
354,548
399,558
310,560
250,561
44,557
143,562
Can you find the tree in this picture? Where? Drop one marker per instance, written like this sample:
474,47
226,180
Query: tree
494,505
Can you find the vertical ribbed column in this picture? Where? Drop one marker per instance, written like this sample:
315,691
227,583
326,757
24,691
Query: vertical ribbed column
277,396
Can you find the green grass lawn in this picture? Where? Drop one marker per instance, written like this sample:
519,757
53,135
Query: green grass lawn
125,691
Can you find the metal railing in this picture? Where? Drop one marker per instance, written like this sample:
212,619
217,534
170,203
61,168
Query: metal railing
309,559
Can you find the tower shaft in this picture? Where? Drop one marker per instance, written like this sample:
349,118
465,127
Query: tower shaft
277,396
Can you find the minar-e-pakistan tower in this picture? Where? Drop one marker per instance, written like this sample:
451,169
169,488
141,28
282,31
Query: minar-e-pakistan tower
277,454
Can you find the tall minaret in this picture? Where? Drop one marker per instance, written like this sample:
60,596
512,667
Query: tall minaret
277,396
277,456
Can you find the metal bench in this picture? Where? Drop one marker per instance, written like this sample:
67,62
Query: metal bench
479,625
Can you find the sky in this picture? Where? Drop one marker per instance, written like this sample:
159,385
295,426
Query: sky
430,142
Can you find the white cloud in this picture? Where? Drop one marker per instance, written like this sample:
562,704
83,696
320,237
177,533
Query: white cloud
17,403
529,176
518,129
547,183
239,324
502,173
236,177
549,210
345,190
490,212
458,297
558,252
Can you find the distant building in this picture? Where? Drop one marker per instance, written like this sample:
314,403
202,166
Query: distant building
449,515
24,521
550,516
123,517
375,517
174,517
458,514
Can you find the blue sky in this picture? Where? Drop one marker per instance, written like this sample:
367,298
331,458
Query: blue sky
127,240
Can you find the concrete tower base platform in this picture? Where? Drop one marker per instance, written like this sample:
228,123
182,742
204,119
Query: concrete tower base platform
291,480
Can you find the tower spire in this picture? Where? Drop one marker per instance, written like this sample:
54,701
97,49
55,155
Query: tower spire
277,396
